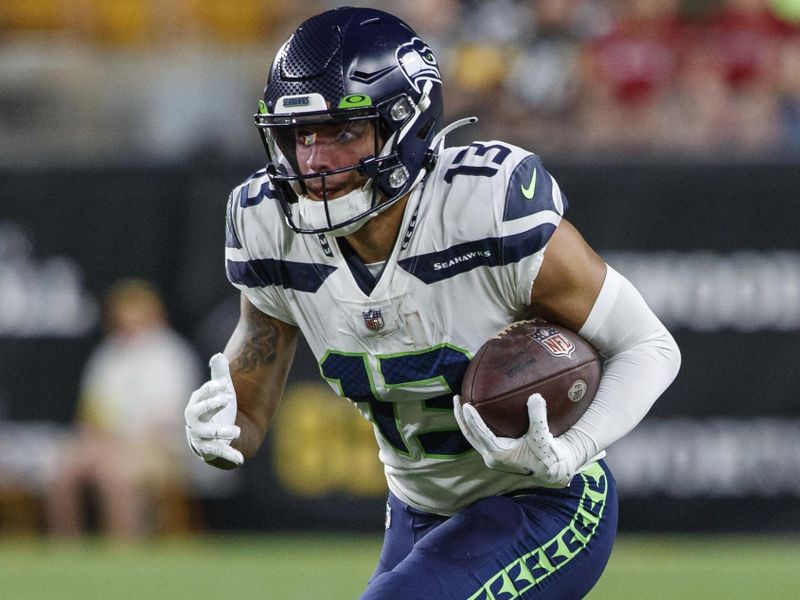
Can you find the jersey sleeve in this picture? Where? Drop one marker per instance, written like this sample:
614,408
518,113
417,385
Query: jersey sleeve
528,213
248,234
500,207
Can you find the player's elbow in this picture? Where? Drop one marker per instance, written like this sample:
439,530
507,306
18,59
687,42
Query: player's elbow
654,354
670,355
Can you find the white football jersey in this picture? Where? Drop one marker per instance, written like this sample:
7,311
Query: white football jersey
469,249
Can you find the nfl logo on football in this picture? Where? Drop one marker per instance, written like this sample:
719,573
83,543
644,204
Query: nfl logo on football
553,341
373,319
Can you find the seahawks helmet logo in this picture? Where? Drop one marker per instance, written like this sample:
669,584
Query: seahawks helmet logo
418,63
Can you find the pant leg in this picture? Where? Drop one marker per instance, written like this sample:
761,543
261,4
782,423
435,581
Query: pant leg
542,544
405,526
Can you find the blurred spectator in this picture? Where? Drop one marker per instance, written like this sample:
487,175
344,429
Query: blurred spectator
481,52
629,74
544,79
545,74
743,38
128,436
700,113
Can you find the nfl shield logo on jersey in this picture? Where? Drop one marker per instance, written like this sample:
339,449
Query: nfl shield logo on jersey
373,319
553,341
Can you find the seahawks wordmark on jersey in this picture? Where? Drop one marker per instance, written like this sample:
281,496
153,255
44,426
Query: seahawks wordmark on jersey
471,243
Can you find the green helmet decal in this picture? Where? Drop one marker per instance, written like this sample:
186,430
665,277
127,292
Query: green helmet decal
355,100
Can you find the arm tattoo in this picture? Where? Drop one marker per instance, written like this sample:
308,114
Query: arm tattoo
260,347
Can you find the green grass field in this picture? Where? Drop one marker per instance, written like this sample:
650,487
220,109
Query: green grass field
336,567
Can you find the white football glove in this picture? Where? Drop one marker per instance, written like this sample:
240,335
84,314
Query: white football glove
547,459
211,413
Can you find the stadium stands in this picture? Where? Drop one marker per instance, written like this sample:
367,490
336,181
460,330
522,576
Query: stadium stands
141,80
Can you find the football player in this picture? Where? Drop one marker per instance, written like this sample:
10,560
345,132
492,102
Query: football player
396,258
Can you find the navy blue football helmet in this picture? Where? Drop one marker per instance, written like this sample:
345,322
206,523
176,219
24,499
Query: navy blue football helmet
344,67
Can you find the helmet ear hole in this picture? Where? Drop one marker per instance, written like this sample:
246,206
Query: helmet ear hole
384,133
426,129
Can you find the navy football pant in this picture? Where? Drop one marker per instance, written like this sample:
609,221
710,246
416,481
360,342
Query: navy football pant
537,543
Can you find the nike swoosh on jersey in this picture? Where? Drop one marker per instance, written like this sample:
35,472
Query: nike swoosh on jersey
528,191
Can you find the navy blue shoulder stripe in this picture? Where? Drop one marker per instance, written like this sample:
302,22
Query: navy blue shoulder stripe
530,190
488,252
263,272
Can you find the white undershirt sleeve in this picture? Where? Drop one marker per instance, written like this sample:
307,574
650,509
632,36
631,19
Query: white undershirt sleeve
642,359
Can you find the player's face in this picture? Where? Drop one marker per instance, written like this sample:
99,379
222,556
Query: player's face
320,148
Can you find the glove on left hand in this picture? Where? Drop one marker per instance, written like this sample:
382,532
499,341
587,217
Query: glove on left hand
547,459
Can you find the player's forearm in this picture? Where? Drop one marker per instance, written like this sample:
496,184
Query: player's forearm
631,383
251,437
642,360
261,351
257,405
257,402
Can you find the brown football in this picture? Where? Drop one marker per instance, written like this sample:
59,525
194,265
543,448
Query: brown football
528,357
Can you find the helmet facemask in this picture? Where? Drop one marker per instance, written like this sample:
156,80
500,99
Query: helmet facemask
313,201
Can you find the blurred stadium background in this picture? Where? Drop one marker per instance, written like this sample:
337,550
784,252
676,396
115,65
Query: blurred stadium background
672,125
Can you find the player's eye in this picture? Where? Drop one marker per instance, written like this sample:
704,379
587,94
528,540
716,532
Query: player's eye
350,132
346,135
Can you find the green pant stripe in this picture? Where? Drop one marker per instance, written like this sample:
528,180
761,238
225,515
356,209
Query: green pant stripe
534,567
